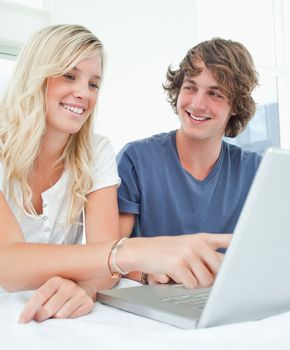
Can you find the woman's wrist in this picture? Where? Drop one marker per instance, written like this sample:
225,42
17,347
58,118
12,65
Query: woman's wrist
115,269
131,256
127,258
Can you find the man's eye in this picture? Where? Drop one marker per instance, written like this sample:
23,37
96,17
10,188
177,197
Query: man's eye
216,94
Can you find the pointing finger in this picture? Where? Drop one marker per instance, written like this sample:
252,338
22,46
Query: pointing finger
217,240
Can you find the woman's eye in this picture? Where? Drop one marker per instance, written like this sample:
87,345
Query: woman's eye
94,85
69,76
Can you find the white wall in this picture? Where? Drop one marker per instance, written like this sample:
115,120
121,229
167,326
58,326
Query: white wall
18,23
284,62
252,23
141,39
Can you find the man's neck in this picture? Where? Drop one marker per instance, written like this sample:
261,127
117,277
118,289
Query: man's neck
198,157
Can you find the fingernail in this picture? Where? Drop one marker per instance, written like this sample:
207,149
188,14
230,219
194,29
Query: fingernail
21,320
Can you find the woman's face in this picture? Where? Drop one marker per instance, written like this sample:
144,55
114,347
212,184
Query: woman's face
72,97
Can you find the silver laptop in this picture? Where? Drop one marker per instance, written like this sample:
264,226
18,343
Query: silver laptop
254,279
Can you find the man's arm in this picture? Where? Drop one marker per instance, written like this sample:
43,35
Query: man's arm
126,224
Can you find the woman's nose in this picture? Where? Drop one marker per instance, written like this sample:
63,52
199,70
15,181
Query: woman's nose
82,90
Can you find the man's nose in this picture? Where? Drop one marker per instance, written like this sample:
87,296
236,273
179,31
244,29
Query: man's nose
199,101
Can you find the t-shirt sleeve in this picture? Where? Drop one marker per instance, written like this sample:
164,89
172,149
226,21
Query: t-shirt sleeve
129,195
105,167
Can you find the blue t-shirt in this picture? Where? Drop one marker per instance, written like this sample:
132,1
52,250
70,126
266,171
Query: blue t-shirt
168,200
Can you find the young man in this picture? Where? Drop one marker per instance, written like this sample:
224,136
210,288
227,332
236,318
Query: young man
190,180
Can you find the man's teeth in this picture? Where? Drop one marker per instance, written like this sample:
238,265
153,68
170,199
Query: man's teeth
73,109
197,118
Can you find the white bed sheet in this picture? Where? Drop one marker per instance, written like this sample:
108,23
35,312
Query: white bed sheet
113,329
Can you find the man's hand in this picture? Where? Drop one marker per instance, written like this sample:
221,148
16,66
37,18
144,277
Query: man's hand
158,279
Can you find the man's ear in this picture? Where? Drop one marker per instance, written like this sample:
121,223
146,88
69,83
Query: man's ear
233,111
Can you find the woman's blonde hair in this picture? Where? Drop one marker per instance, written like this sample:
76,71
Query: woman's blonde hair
52,52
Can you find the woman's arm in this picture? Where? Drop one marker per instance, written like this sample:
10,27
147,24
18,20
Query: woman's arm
36,263
102,224
204,275
29,265
101,215
126,223
63,298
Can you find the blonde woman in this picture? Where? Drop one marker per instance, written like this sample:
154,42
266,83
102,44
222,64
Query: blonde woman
58,182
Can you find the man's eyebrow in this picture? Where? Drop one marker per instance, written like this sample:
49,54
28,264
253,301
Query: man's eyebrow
188,80
192,82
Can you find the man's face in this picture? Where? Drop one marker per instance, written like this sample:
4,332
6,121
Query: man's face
203,109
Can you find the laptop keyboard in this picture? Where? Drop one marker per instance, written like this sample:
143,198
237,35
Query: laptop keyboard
196,301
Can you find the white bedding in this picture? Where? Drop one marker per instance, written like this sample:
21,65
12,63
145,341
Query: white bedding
113,329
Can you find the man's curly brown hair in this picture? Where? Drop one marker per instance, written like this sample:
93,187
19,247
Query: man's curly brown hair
232,67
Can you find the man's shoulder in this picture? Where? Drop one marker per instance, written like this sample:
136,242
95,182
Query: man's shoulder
148,144
236,154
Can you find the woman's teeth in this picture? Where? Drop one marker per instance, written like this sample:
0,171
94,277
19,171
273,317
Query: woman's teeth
73,109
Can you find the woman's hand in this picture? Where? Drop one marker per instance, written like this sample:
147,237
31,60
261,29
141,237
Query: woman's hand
57,298
192,260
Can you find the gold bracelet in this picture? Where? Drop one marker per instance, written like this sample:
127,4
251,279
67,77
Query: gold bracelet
112,258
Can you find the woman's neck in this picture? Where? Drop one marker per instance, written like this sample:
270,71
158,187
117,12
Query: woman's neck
51,148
